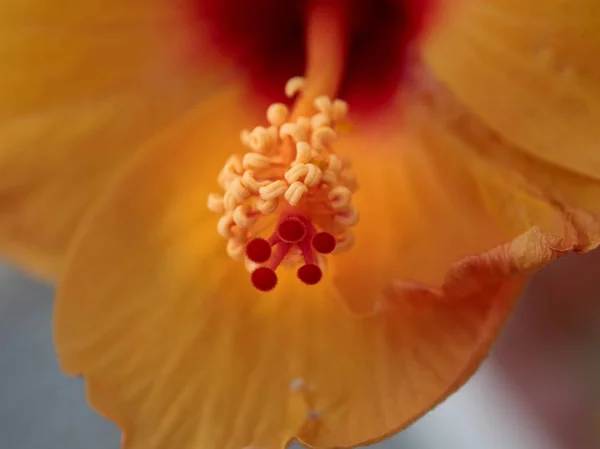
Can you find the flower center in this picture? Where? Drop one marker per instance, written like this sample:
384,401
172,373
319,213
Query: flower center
290,176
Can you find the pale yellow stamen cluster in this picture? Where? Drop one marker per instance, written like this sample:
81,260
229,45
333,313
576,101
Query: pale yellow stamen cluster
289,163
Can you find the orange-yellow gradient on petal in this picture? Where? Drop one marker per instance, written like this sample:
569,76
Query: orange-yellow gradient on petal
181,351
530,70
83,84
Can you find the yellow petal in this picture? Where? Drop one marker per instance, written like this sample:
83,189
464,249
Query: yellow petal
83,84
441,187
530,69
511,184
181,351
420,212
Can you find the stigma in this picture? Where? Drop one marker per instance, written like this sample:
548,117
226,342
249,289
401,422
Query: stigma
286,202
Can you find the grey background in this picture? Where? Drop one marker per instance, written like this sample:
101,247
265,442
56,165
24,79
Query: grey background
40,408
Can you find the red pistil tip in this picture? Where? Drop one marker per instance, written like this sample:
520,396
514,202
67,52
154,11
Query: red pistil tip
258,250
291,230
323,242
310,274
264,279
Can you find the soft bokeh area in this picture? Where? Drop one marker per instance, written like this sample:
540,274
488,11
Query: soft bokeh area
539,390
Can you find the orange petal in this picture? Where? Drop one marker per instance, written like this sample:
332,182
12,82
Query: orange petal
439,116
443,187
83,84
530,69
181,351
419,213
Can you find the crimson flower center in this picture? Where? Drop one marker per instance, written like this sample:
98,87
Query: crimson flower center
267,40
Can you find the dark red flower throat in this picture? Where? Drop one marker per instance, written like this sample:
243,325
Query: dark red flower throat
267,39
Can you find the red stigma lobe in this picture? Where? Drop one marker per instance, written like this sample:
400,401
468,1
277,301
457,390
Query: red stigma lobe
292,231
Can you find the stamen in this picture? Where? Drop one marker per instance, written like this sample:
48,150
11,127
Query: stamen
294,86
277,114
290,170
319,120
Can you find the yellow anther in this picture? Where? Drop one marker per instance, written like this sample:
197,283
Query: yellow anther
261,139
255,161
323,105
295,173
294,86
303,153
339,110
334,164
267,207
295,192
225,178
348,218
236,249
340,198
329,177
245,137
224,225
313,175
250,182
296,132
229,201
215,203
323,137
239,192
319,120
234,165
304,123
273,190
277,114
242,216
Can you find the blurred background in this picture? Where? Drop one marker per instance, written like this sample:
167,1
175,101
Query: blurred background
540,389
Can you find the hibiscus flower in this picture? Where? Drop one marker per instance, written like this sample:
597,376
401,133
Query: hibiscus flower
237,268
